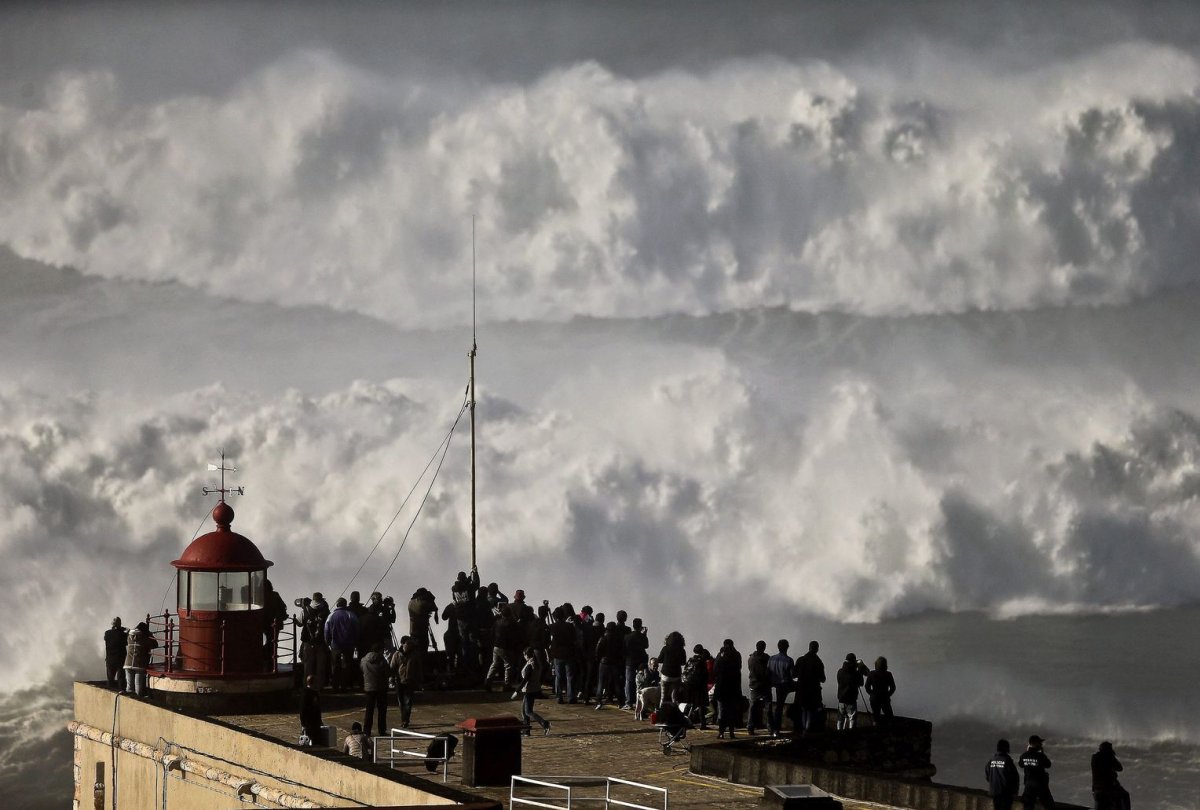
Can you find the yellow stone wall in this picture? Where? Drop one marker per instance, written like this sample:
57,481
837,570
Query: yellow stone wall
140,781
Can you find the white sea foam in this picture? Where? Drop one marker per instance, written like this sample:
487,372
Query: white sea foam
760,182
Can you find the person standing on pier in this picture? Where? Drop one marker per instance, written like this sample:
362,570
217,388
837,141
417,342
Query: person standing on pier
375,675
636,656
671,659
1003,780
405,665
531,690
880,687
782,670
760,685
810,674
116,640
849,680
341,634
137,658
1106,789
727,688
1035,763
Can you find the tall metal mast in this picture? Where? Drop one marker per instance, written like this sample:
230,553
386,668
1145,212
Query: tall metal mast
474,351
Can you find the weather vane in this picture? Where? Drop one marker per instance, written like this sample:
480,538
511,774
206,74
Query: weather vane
223,490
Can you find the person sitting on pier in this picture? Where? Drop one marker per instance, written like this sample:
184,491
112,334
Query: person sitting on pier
356,743
849,680
647,684
880,687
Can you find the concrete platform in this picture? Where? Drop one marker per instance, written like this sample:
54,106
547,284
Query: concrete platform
582,742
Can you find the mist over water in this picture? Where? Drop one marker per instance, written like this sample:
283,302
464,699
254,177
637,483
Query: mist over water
880,334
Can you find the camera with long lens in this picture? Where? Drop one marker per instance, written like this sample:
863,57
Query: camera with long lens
300,601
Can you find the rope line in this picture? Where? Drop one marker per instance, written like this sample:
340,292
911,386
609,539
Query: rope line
442,447
421,505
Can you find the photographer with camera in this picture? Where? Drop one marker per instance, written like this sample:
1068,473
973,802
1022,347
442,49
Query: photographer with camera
314,652
421,608
382,609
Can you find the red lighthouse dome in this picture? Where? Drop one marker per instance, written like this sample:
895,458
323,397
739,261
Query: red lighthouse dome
223,549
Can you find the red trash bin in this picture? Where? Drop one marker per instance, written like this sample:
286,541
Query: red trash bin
491,750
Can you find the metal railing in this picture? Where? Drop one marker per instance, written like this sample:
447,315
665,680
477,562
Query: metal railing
393,754
567,789
166,658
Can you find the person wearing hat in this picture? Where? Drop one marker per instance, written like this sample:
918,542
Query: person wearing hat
1035,763
115,640
319,608
1003,780
1106,789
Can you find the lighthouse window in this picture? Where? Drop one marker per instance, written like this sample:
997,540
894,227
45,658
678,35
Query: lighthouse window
181,590
203,590
256,589
235,590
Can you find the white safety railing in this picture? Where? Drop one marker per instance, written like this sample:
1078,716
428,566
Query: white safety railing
610,801
391,754
567,792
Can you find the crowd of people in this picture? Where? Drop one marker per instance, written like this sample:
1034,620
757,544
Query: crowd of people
490,641
494,642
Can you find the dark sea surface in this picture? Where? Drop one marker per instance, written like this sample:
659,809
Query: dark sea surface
1075,680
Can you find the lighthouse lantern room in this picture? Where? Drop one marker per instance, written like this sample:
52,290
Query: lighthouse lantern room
224,641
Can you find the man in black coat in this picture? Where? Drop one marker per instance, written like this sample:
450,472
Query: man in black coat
115,640
637,647
310,711
1035,763
810,674
1106,788
760,685
1002,777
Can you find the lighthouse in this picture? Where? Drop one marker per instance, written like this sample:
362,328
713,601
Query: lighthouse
227,644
